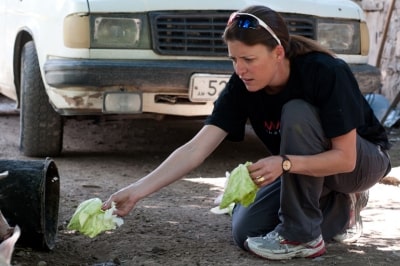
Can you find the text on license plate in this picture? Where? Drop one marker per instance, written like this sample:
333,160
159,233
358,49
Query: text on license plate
206,87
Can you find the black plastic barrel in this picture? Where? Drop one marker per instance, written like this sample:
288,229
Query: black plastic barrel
29,198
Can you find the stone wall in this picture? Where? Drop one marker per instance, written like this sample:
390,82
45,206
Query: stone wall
383,19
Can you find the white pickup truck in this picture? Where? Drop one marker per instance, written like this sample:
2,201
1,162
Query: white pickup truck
61,59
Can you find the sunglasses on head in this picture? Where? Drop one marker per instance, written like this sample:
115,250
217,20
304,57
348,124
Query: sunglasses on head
249,21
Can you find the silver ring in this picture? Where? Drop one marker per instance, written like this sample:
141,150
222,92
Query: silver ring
261,179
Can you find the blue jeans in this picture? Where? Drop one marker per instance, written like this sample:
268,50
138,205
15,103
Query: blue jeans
302,207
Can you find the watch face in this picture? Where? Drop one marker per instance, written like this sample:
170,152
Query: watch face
286,165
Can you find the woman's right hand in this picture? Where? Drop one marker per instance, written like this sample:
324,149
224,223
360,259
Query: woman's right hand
124,200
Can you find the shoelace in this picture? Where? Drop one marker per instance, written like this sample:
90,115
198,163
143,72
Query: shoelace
273,235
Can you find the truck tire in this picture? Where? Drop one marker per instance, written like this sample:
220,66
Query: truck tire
41,127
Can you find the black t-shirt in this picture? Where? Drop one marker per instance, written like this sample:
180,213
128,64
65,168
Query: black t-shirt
323,81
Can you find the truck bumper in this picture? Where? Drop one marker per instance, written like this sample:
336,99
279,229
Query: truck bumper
369,78
77,86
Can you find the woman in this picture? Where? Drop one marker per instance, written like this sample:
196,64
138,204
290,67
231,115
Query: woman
306,107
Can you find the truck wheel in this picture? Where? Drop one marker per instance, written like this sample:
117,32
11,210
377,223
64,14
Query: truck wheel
41,126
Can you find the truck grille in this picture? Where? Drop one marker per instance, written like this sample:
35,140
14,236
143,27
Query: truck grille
200,34
300,25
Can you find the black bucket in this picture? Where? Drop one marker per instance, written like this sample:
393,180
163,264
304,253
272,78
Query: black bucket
29,198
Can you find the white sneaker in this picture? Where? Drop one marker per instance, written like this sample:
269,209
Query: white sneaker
275,247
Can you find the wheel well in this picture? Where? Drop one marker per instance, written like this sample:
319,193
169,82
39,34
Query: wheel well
22,38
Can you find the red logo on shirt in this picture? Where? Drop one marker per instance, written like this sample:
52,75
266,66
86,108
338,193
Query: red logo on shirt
272,127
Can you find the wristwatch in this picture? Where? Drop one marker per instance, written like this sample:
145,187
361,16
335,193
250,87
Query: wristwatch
286,164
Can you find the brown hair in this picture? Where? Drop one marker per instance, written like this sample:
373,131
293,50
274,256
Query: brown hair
293,44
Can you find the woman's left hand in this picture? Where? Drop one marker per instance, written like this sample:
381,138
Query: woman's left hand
266,170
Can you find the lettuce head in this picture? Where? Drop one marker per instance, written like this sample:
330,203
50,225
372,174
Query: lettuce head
91,220
240,187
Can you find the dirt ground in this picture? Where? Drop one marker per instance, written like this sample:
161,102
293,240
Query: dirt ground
175,226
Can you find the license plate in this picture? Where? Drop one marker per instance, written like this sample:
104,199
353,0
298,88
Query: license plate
206,87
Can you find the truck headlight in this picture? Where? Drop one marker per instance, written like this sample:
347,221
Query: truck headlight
116,31
119,32
342,37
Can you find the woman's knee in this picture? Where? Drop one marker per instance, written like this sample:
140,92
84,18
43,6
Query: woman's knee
239,234
243,229
249,223
260,217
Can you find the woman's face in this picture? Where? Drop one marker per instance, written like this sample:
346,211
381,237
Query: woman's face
256,65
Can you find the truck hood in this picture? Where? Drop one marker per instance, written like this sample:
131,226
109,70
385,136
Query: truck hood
321,8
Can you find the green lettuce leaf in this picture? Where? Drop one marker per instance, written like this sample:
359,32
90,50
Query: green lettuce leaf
240,188
91,220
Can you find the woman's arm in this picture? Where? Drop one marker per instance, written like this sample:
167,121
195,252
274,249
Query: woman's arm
179,163
341,158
